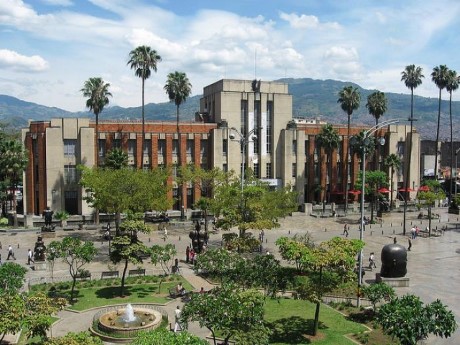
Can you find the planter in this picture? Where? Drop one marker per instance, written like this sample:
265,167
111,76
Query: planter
453,210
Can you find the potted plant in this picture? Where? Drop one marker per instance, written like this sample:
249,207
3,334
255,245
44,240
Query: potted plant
62,216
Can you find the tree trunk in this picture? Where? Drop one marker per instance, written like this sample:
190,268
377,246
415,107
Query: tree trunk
72,290
117,223
315,326
122,289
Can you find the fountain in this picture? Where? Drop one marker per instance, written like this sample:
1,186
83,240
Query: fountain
126,322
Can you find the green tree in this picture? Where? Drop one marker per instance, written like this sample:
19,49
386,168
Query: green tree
164,256
123,190
440,76
412,78
161,336
13,162
76,254
332,261
349,99
256,207
377,106
98,95
218,263
116,159
12,315
429,197
231,312
408,320
12,277
127,248
328,139
143,60
393,162
296,250
451,86
72,338
374,180
378,292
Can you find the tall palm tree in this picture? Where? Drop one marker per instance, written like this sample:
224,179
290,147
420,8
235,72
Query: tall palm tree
349,99
98,95
451,86
392,162
178,88
328,139
377,106
440,76
412,77
143,60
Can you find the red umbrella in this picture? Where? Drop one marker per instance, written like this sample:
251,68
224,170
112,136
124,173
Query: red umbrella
424,189
383,190
405,190
354,192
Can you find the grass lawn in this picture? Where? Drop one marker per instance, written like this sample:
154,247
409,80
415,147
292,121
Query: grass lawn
292,323
94,297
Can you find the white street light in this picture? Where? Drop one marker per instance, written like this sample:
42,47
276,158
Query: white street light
363,148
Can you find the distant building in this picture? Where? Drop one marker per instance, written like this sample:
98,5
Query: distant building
280,149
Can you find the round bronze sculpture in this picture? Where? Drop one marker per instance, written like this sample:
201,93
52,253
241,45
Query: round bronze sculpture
39,250
394,261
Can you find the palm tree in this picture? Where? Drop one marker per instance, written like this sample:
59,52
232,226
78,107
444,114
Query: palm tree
451,86
349,99
328,139
98,95
116,159
393,162
377,106
178,88
143,60
412,77
440,76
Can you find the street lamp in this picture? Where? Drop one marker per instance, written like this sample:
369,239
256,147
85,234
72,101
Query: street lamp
364,146
244,141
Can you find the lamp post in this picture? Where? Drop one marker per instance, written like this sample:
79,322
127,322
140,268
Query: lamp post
363,148
244,141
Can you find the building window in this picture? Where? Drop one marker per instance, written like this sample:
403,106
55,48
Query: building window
268,170
225,167
256,170
268,125
189,148
70,174
294,169
400,148
175,147
224,147
101,148
161,147
294,147
147,147
307,144
70,147
116,144
35,148
131,148
203,148
255,140
174,171
243,116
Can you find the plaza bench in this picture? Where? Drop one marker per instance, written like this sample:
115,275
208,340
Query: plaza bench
109,274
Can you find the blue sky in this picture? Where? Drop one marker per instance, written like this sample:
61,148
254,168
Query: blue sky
48,48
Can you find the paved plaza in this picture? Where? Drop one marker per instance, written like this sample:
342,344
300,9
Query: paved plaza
433,263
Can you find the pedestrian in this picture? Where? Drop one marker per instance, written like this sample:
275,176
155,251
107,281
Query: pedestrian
177,314
187,254
413,232
30,257
345,230
192,256
10,253
165,233
395,240
410,245
372,261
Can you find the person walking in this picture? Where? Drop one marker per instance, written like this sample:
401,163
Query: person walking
372,264
10,253
345,230
187,254
30,257
410,244
177,314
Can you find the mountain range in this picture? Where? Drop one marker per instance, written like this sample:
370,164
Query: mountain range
311,98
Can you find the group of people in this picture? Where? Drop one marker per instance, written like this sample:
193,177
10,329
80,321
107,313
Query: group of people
414,231
30,255
190,255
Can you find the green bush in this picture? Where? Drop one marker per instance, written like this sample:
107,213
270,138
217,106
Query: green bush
3,221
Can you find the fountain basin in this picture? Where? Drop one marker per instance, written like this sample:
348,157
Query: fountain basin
115,323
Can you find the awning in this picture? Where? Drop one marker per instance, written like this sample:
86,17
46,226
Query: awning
424,189
356,192
405,190
383,190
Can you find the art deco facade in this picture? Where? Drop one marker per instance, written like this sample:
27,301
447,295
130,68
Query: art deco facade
234,116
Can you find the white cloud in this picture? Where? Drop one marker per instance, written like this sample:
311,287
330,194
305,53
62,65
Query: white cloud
15,61
58,2
305,21
341,53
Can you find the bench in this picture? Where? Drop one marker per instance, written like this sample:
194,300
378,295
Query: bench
138,272
185,296
109,274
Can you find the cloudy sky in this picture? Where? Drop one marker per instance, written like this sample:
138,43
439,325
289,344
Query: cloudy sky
48,48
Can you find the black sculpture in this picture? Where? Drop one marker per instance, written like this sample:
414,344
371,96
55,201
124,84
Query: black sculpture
48,215
39,250
199,239
394,261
